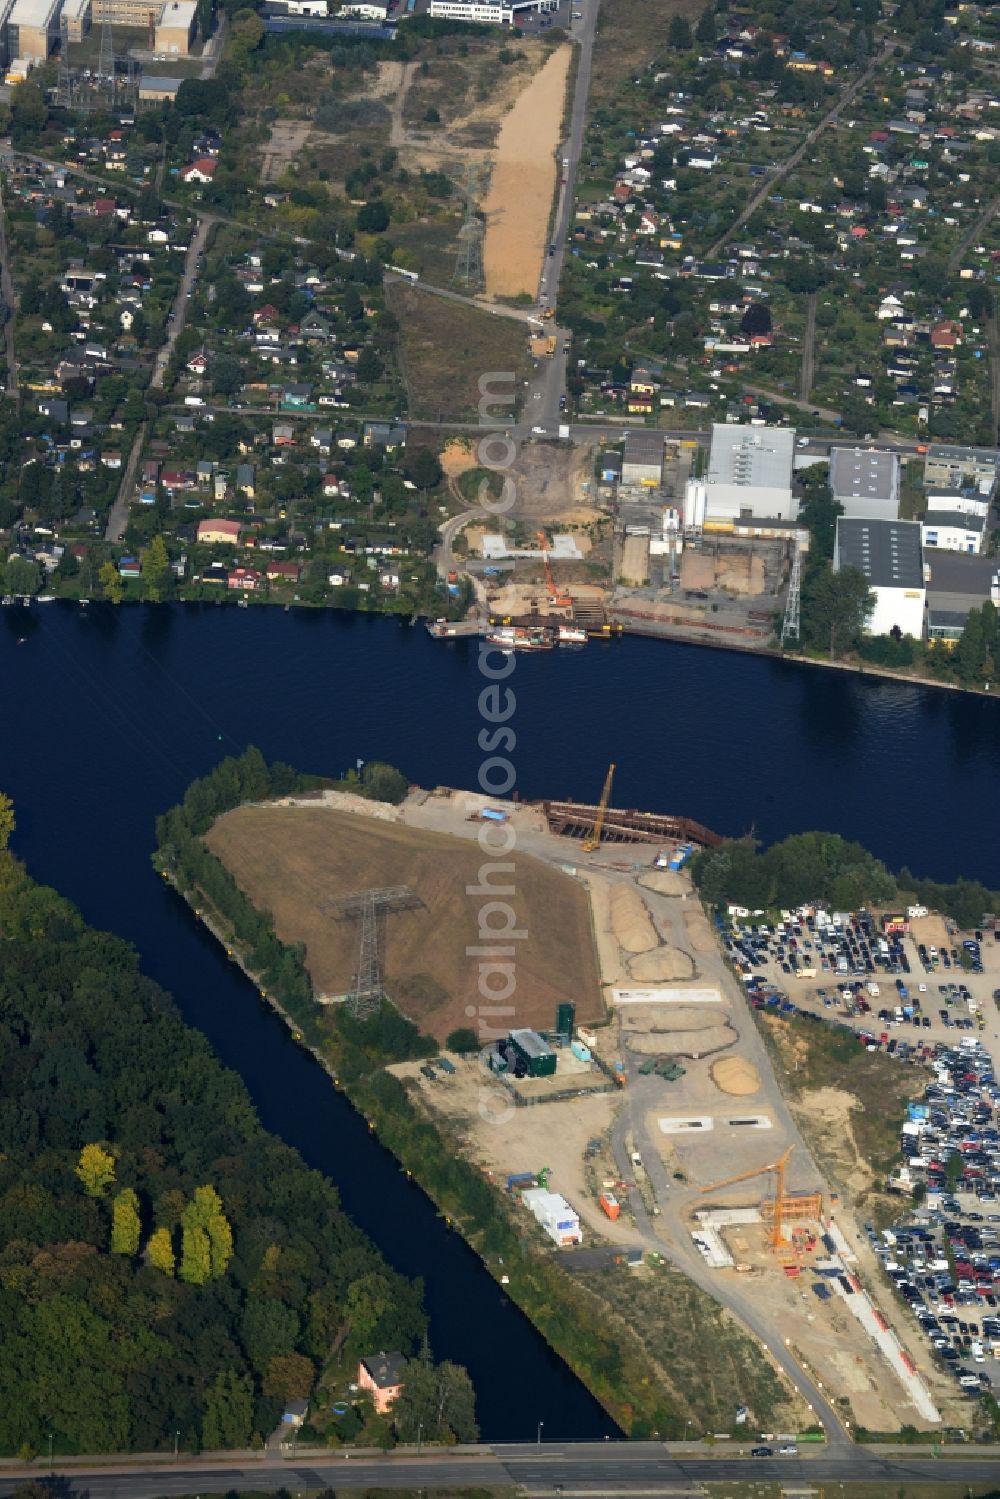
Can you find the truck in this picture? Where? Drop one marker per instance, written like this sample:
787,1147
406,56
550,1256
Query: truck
563,430
519,1180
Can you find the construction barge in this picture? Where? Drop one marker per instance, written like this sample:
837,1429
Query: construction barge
623,825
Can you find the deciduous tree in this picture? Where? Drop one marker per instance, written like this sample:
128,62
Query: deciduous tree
111,583
160,1251
96,1170
126,1223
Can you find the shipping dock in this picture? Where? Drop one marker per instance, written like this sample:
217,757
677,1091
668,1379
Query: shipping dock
624,825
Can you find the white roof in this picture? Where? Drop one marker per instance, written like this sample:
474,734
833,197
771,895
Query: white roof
178,13
33,12
75,10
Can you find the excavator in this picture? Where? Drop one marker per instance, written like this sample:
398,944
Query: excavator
559,600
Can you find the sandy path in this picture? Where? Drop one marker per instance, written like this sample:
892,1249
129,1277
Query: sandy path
524,178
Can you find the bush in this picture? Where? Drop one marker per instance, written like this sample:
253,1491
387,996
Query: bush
463,1041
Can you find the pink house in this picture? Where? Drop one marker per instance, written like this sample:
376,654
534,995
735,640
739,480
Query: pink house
380,1375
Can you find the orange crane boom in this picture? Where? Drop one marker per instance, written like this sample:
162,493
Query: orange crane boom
782,1204
594,841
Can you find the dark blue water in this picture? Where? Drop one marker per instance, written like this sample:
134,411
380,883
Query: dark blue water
108,715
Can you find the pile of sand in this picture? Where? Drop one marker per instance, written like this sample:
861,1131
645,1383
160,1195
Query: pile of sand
630,920
698,930
735,1075
691,1040
665,882
457,457
665,963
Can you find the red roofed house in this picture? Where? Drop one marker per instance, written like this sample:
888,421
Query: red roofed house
946,335
202,170
266,314
211,531
245,577
283,572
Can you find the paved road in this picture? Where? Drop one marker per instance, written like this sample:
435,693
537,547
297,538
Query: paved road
7,289
808,349
118,518
973,233
599,1469
761,196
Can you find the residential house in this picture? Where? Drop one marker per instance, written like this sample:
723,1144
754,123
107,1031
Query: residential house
202,170
380,1375
247,578
219,532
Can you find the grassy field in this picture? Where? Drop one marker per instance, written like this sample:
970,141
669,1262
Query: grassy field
629,36
446,348
291,861
817,1066
706,1365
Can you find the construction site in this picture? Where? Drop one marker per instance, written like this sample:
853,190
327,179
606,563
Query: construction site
624,1103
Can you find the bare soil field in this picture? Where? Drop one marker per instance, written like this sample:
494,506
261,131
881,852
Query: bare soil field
519,202
292,860
445,347
288,138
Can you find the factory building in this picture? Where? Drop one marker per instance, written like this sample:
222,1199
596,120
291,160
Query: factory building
32,29
176,26
77,17
504,13
555,1215
537,1055
889,554
953,530
643,461
950,466
749,474
865,483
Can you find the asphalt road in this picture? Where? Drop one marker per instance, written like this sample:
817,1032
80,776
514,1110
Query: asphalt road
604,1469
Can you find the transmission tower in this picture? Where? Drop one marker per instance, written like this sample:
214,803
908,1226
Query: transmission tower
106,56
368,908
64,83
469,259
790,623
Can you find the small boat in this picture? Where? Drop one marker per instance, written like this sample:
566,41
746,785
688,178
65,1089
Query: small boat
517,638
243,603
84,603
46,598
572,635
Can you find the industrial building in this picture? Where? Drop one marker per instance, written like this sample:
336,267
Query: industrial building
154,89
643,461
956,583
749,473
504,13
949,466
535,1053
176,26
954,530
76,16
865,483
889,554
32,29
555,1215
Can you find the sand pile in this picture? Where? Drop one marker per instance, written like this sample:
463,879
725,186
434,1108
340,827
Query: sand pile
630,920
698,930
665,882
665,963
735,1075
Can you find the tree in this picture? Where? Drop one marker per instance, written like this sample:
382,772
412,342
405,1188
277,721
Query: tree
228,1416
208,1206
463,1041
373,217
705,31
268,1329
22,575
227,375
96,1169
126,1224
7,821
424,469
818,512
679,34
369,366
835,606
156,574
384,783
289,1376
111,582
160,1251
196,1254
438,1398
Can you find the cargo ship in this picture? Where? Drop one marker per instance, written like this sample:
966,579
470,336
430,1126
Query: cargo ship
516,638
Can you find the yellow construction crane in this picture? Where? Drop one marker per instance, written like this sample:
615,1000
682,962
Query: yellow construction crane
594,841
780,1206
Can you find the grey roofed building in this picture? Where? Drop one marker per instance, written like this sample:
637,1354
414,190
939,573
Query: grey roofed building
643,460
751,456
865,483
531,1043
385,1369
959,580
886,551
957,518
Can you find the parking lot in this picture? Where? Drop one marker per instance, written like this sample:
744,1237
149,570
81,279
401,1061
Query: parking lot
916,989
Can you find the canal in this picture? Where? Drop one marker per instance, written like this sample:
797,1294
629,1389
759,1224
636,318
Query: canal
108,715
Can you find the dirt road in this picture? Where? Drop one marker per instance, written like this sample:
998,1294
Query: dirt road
524,177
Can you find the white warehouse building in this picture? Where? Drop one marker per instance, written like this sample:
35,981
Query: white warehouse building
889,554
555,1215
955,522
503,13
750,473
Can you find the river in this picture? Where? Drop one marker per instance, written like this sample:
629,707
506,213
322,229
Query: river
109,714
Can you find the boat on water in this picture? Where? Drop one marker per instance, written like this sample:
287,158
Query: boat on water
517,638
572,635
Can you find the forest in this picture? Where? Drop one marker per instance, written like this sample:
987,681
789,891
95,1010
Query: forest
168,1269
827,868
